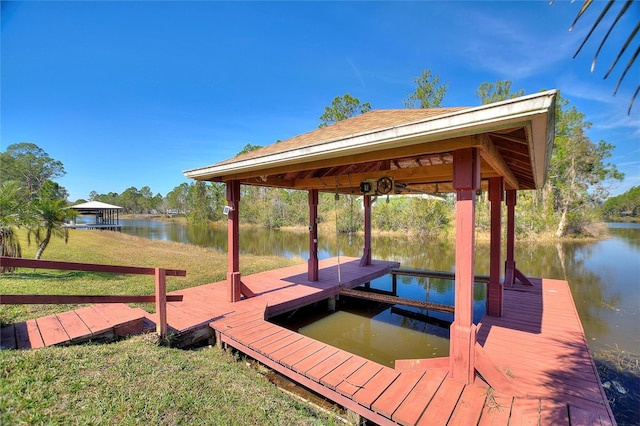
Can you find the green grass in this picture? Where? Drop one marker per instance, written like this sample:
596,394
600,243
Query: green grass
202,265
137,382
134,381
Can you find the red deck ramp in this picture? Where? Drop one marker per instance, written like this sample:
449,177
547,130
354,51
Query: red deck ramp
97,323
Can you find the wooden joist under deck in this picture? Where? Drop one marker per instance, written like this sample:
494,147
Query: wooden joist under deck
395,300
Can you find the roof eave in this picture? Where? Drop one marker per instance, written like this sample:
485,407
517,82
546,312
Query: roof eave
536,112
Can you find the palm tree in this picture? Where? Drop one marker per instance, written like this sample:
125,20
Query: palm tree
585,5
11,216
49,216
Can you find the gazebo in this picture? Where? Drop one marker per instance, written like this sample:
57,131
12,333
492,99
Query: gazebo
107,216
500,148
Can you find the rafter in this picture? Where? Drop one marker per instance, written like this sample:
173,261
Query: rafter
492,156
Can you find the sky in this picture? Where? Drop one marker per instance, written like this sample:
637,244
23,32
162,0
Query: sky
132,93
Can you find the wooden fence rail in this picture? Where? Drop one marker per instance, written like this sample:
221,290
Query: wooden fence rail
161,298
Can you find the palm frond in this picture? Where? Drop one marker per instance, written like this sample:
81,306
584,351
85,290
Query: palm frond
606,36
595,24
603,13
624,48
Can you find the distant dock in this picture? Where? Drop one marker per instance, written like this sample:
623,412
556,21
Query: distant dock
101,226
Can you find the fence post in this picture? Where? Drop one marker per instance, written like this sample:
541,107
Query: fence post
161,303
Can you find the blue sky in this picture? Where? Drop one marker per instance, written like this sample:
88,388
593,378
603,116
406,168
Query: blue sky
133,93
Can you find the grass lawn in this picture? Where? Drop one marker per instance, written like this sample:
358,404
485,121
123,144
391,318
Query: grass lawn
133,381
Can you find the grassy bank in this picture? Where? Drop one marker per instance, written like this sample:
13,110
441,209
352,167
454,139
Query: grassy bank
136,382
203,266
133,381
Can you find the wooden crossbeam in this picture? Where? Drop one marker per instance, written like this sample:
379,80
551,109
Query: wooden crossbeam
56,299
17,262
394,300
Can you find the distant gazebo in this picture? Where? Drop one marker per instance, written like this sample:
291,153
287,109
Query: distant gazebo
107,216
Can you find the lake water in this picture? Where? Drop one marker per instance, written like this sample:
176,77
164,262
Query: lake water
604,277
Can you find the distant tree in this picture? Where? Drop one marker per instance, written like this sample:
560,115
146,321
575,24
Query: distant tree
29,165
12,202
341,108
131,200
53,191
178,198
49,216
627,204
578,171
248,148
429,92
500,91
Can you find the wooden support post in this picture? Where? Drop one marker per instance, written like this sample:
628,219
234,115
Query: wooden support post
466,181
312,264
331,304
161,303
510,264
511,272
366,255
233,251
494,288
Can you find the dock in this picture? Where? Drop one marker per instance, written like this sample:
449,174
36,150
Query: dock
534,363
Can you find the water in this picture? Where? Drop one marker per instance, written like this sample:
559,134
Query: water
604,277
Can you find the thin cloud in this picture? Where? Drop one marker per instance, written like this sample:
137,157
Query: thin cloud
357,72
514,51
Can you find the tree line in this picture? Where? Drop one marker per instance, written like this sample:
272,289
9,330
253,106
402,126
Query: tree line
569,204
579,178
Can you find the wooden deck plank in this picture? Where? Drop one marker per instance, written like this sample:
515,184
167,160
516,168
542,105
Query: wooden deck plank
306,364
325,367
581,416
443,403
8,337
344,370
387,403
93,320
299,355
470,405
554,413
35,338
262,334
375,387
270,347
291,349
415,403
73,325
52,331
242,334
359,378
280,334
497,410
525,411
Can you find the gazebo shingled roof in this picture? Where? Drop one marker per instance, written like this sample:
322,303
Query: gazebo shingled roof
412,146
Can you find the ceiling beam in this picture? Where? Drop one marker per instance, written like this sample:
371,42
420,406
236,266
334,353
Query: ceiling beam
492,156
362,155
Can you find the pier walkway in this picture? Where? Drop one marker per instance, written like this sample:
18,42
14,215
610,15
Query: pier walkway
534,365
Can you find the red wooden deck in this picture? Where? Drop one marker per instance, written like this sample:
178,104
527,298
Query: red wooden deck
97,323
535,363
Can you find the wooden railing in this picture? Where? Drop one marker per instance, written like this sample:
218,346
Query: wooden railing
160,298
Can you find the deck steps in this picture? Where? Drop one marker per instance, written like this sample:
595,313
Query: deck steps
96,323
